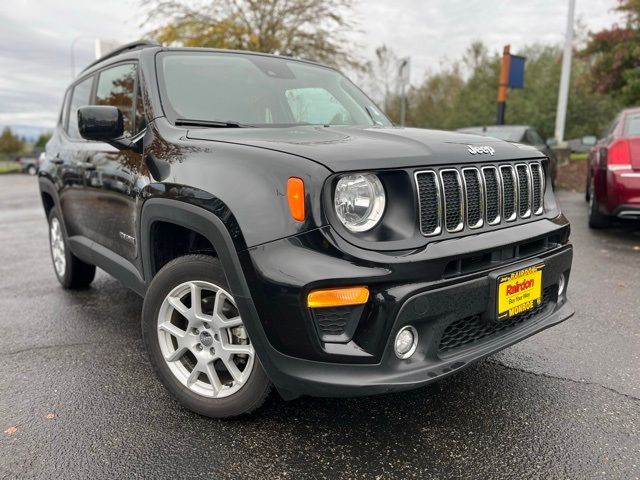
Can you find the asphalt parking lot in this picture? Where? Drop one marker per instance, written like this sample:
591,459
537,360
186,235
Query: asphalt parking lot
78,398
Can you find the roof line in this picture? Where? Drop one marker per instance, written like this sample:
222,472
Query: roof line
137,45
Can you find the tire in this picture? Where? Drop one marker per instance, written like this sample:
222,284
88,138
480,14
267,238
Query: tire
587,189
32,170
194,352
71,272
597,219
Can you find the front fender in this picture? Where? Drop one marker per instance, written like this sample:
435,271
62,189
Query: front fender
250,181
214,228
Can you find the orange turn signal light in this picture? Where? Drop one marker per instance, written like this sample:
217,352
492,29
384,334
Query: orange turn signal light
295,195
337,297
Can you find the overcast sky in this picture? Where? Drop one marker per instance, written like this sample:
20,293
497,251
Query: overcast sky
36,38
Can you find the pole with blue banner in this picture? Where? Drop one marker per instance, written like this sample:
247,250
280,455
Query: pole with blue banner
511,76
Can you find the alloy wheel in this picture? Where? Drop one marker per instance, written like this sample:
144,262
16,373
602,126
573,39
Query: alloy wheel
203,339
57,247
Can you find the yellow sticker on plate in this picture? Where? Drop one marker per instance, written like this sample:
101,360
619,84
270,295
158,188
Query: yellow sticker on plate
519,291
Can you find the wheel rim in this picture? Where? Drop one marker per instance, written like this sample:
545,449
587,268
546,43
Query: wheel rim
57,247
203,340
592,195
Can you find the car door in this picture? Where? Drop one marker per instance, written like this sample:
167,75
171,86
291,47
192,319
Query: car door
111,175
70,156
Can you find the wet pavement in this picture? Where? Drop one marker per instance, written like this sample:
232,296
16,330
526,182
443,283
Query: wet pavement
78,398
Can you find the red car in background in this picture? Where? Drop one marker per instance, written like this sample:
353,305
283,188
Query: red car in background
613,180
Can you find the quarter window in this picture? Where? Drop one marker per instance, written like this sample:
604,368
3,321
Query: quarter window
81,97
632,125
115,88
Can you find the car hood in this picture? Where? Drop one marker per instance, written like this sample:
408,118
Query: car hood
355,148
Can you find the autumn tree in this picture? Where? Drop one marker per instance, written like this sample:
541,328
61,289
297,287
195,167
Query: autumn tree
614,54
313,29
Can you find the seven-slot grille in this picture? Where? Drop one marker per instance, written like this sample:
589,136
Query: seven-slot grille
451,199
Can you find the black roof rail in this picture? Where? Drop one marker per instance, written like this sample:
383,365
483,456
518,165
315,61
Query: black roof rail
137,45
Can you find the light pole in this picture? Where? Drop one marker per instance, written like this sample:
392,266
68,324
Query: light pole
563,94
403,74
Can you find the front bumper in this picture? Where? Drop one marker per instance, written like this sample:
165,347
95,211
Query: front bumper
419,289
297,377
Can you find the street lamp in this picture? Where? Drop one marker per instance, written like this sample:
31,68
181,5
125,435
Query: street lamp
403,74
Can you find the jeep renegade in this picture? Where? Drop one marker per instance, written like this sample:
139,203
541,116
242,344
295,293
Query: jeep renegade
283,232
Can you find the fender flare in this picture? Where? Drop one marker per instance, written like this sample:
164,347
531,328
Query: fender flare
199,220
213,229
47,186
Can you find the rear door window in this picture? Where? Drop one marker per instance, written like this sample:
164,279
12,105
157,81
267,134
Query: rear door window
632,125
116,88
81,97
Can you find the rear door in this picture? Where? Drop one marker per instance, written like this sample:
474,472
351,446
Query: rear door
111,177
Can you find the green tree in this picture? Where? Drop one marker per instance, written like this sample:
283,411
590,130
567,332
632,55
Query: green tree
10,143
314,29
433,104
450,100
42,140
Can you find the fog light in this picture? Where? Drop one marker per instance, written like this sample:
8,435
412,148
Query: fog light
561,284
406,342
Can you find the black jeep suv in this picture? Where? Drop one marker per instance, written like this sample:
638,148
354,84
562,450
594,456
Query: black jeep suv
283,232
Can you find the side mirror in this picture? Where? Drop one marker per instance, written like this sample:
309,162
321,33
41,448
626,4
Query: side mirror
551,142
589,141
101,123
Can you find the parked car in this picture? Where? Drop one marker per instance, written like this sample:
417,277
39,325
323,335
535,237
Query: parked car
613,179
520,134
580,145
30,162
283,232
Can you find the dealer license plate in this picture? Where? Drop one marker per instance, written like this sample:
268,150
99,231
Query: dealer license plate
519,291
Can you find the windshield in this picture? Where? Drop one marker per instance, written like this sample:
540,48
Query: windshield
261,91
508,135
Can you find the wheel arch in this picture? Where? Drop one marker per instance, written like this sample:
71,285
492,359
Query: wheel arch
212,227
199,220
48,194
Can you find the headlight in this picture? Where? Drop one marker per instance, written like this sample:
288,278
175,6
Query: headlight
359,201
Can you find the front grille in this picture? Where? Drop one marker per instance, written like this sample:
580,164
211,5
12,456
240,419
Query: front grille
510,197
537,179
475,328
430,204
453,207
473,193
452,199
524,198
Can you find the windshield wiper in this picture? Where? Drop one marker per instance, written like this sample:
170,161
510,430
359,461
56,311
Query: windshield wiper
376,123
210,123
